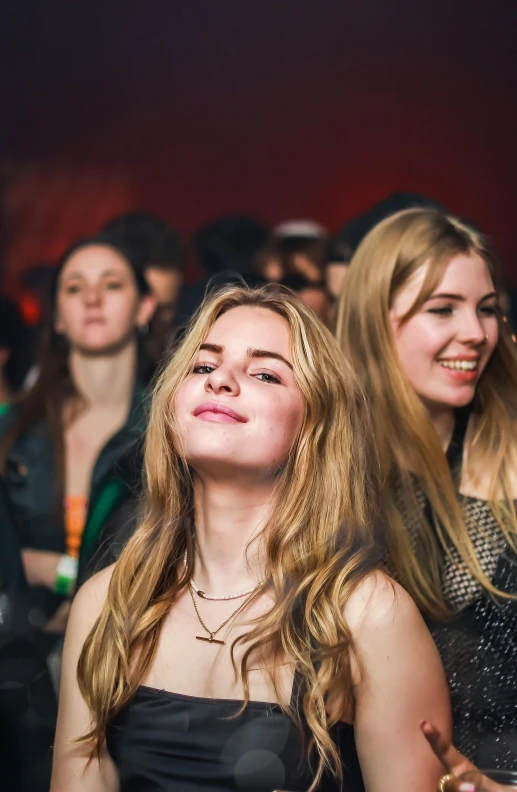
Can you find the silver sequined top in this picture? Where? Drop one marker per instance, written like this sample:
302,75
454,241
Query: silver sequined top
479,646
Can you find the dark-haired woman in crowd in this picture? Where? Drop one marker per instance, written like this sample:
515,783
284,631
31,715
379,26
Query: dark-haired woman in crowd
62,440
247,604
419,321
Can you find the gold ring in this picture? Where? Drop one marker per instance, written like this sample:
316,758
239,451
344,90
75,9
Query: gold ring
444,780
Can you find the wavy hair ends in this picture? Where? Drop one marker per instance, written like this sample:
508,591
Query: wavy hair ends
320,539
388,256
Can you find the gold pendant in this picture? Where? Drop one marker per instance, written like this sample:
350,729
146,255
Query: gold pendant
209,640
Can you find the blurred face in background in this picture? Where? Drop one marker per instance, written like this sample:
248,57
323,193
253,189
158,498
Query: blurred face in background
165,284
445,346
99,307
335,274
315,297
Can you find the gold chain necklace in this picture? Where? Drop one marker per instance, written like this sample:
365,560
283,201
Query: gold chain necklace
204,595
211,633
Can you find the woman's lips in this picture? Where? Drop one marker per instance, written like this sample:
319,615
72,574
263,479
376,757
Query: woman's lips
461,376
218,413
463,368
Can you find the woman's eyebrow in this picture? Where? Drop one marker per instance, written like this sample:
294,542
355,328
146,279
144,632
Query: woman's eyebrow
212,348
264,353
74,275
252,353
460,297
108,273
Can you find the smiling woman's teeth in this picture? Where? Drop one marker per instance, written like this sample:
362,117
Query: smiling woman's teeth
459,365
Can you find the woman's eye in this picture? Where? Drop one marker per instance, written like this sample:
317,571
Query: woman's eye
489,310
203,368
265,376
446,310
73,289
113,285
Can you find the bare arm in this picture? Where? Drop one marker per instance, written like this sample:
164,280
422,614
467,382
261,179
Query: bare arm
400,683
69,771
40,566
40,570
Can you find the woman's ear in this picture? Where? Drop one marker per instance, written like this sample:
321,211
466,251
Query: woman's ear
146,310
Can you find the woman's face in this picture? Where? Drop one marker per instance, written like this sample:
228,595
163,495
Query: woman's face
444,348
98,303
240,409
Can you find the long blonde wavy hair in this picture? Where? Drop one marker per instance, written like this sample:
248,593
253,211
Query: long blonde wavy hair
320,538
406,440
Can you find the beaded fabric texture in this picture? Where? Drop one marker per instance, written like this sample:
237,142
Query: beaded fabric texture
478,646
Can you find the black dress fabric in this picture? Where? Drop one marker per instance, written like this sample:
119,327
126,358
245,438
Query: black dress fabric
478,646
168,742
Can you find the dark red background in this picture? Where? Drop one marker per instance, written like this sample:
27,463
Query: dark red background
279,108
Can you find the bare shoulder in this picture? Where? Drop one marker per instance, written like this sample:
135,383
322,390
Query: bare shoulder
378,603
90,599
97,586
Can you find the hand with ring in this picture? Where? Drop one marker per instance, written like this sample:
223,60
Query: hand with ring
456,766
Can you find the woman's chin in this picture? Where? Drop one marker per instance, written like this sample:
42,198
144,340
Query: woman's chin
453,402
99,347
228,469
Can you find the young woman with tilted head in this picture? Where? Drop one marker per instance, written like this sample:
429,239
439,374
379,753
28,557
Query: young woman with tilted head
244,639
420,323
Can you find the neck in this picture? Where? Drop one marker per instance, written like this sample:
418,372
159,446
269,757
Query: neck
229,519
442,420
106,382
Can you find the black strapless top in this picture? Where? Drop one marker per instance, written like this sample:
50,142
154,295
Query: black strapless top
167,742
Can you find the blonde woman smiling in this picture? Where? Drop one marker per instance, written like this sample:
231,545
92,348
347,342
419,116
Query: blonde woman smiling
420,322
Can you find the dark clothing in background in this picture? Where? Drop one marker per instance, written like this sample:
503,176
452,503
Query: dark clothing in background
479,654
478,646
28,706
31,491
30,517
121,500
12,575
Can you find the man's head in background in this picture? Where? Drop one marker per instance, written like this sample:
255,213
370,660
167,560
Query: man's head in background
159,246
345,242
226,250
230,245
295,256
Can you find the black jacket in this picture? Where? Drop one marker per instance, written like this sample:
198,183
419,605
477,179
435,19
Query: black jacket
31,492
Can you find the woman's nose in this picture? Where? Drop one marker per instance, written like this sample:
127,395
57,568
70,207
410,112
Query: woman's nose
92,295
222,380
472,329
